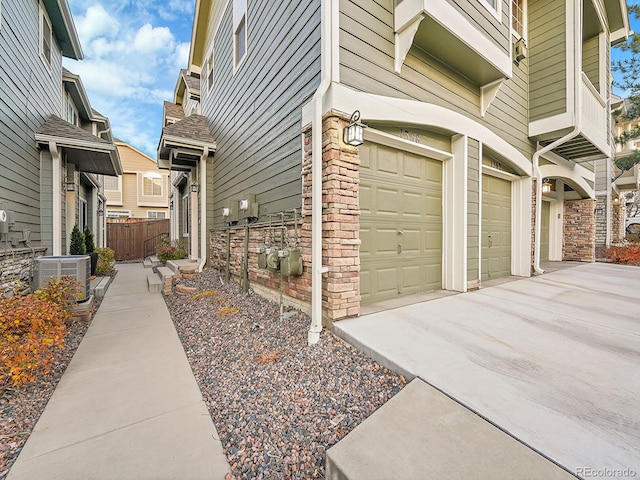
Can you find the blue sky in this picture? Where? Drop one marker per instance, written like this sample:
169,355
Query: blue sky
134,50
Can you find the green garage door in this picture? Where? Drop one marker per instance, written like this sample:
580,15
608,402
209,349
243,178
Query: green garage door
496,227
544,234
400,223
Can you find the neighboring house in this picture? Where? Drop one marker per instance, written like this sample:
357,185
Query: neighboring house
142,191
54,149
484,120
185,148
613,185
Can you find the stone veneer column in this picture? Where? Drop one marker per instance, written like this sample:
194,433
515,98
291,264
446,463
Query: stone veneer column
340,217
601,220
578,243
617,222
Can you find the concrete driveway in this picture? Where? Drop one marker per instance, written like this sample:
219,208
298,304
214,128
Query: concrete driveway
553,360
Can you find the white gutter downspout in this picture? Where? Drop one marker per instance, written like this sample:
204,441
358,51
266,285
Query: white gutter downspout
577,58
203,207
607,239
56,202
316,172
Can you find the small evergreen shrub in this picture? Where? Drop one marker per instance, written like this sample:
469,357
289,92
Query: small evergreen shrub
106,260
89,244
77,246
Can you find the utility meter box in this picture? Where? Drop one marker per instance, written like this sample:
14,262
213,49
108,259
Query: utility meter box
4,219
273,259
262,256
247,206
230,212
291,263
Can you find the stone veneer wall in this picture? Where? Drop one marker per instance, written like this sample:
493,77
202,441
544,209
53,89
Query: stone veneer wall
601,220
617,222
16,265
340,225
578,242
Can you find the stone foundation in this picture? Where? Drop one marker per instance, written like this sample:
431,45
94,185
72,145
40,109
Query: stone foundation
578,242
16,266
617,222
340,231
601,220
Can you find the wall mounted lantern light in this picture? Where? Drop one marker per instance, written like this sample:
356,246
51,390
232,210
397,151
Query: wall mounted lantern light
195,188
546,186
69,185
100,212
354,132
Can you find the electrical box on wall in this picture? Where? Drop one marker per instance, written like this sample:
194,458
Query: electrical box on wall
4,219
230,212
248,207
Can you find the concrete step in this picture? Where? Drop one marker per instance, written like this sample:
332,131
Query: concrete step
101,287
154,282
422,433
151,261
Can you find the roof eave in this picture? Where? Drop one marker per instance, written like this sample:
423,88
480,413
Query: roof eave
64,28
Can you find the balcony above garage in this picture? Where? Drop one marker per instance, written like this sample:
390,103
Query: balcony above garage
478,46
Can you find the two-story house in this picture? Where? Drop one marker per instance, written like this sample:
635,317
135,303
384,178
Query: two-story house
483,121
142,191
185,148
53,147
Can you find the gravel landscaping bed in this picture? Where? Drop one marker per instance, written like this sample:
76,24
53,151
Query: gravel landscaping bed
277,403
20,408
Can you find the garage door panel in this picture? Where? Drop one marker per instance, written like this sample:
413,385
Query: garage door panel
496,228
403,194
364,200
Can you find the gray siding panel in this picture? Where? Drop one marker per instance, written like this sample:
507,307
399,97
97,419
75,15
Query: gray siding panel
255,114
30,93
367,64
473,210
547,58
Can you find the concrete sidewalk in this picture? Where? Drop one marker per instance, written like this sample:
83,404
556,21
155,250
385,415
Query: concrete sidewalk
553,360
128,406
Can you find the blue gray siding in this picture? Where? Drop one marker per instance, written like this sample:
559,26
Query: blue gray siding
255,114
29,93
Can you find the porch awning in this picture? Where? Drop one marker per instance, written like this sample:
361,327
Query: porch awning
183,143
89,153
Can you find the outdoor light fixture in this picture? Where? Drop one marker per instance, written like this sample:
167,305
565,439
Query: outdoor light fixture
616,200
195,188
244,205
546,186
70,185
171,205
354,132
100,212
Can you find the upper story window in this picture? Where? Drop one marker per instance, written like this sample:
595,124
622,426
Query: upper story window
239,31
518,17
152,184
494,6
111,184
72,112
46,37
209,70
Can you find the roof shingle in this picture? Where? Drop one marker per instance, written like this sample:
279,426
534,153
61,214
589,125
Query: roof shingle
194,127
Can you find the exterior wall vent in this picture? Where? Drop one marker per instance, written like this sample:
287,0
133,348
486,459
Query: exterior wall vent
519,50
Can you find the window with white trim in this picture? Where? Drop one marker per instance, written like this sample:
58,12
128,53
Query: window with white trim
111,184
495,7
72,112
209,70
184,211
152,184
83,215
239,31
156,214
46,37
518,17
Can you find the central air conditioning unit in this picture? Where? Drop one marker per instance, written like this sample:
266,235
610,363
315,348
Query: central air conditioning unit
73,266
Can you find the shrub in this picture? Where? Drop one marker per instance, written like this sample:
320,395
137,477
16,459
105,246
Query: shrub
32,327
106,259
89,245
168,250
627,254
77,246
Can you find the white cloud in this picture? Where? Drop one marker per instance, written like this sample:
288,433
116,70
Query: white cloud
133,53
96,22
150,40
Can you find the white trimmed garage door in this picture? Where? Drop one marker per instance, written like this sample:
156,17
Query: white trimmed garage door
400,223
496,227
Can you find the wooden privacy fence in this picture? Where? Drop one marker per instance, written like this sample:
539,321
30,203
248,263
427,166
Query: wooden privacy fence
132,241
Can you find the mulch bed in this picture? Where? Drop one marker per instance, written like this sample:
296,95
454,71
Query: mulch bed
20,408
277,403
